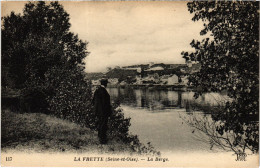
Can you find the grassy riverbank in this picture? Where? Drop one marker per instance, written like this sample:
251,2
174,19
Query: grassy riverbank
37,132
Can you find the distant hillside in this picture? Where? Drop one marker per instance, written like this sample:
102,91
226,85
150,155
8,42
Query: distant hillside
147,66
122,74
159,72
94,76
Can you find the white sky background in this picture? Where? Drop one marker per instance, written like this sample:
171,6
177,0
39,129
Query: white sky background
127,33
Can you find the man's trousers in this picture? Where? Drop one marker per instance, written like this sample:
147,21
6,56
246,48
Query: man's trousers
102,129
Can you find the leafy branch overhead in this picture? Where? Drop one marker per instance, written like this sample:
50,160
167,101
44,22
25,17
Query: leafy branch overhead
229,57
230,61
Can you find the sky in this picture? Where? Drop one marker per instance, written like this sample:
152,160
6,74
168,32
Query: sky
128,33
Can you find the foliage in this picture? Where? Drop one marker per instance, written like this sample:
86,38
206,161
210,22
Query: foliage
72,98
118,124
224,139
33,45
229,60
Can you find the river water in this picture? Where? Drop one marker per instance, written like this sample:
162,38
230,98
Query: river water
155,117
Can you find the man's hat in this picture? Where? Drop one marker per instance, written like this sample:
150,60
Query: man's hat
104,81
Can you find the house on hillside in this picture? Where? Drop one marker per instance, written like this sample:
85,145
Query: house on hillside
172,80
150,79
156,78
155,68
189,63
123,83
113,81
164,79
139,80
137,69
184,80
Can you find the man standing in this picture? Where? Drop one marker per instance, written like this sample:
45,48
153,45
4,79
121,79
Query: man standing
103,110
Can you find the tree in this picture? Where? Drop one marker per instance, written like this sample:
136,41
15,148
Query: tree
37,40
33,44
229,61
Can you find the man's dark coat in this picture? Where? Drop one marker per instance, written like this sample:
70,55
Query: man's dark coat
102,103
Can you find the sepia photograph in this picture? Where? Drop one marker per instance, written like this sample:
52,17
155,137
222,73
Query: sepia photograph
130,84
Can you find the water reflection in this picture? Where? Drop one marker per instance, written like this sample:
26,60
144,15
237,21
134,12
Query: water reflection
162,99
155,116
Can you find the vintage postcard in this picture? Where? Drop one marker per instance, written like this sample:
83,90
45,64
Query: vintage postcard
130,84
